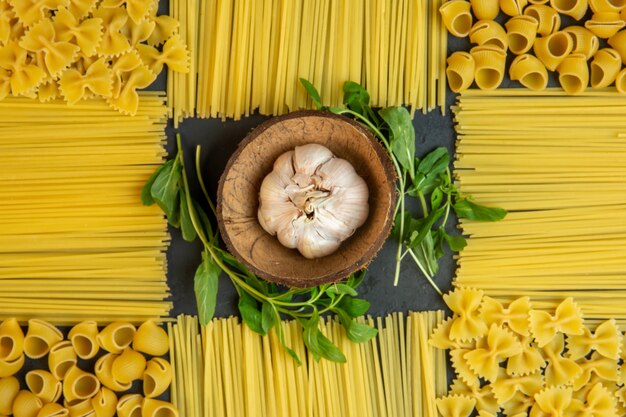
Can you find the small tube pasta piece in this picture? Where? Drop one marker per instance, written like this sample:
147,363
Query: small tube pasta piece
151,339
490,62
521,32
605,24
83,339
538,2
157,408
485,9
26,404
618,42
129,366
456,16
44,385
79,408
104,403
585,42
620,81
40,337
489,32
572,8
513,7
549,19
605,67
9,388
11,368
529,71
157,377
79,385
104,372
574,74
553,49
460,71
62,357
130,405
116,337
53,410
11,340
599,6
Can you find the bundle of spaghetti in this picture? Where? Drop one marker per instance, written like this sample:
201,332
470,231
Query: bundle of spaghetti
251,54
557,164
395,374
75,241
181,87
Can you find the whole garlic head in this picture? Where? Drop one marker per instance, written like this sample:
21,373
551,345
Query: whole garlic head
312,200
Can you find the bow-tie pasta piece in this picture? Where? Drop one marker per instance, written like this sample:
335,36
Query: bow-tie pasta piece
48,91
122,67
606,340
485,400
138,32
6,22
136,9
113,42
528,361
504,388
552,402
97,80
174,55
518,405
604,368
461,367
32,11
165,27
465,302
567,319
501,344
455,406
515,316
440,337
598,402
5,83
127,100
25,76
58,55
560,370
86,34
82,8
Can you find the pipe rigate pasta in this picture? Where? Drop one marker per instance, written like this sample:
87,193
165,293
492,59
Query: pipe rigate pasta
620,81
104,403
61,358
490,66
455,406
584,41
618,42
83,339
605,66
116,337
9,368
457,18
157,377
605,24
485,9
574,74
26,404
460,71
598,6
104,372
11,340
130,405
129,366
9,388
521,32
553,49
489,32
40,337
157,408
79,408
151,339
53,410
572,8
44,385
549,20
79,385
513,7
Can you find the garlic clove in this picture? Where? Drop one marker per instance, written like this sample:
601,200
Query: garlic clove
290,232
308,158
283,168
314,245
338,173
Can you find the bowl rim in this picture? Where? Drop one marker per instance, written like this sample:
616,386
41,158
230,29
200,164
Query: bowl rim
366,257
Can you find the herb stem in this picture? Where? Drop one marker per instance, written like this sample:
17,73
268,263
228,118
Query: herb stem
423,203
201,181
426,274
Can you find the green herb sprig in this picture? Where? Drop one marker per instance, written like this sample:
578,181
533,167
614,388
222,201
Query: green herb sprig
261,304
428,180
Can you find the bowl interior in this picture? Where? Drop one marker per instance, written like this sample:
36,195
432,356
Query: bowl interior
239,189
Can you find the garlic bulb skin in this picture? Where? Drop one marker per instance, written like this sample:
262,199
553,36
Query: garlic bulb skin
312,201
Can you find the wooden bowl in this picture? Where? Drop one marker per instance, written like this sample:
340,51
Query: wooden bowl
238,198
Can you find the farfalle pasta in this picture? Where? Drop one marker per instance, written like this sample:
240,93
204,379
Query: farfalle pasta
567,319
456,406
501,344
606,340
603,368
515,315
484,396
559,370
67,49
528,361
504,388
553,401
465,303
